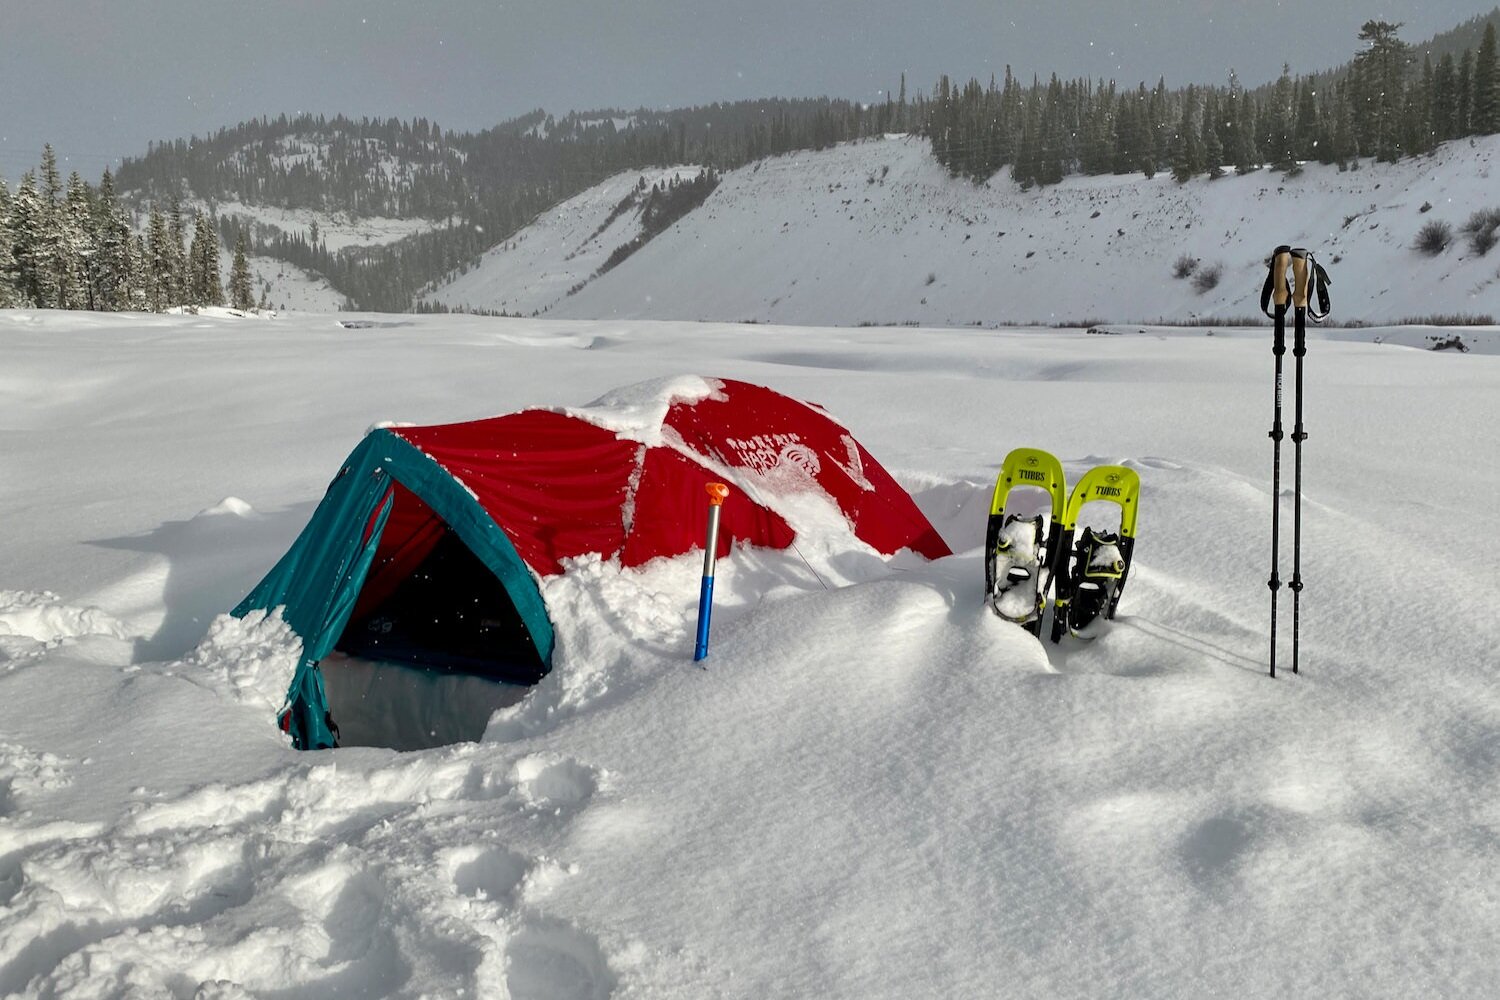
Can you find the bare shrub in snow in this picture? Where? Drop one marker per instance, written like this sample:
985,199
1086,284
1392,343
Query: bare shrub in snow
1483,230
1482,241
1184,266
1206,278
1433,238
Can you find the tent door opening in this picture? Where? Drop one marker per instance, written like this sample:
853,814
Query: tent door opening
380,704
429,659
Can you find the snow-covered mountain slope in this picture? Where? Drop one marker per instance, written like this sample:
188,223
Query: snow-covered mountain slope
285,285
877,232
560,252
288,286
875,789
335,230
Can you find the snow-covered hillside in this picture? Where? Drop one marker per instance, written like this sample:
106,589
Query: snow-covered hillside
560,252
335,230
875,789
286,285
877,232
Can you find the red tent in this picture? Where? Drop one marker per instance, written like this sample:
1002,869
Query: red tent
563,485
429,543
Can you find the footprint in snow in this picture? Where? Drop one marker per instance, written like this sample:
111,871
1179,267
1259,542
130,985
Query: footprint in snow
492,874
25,772
550,960
560,786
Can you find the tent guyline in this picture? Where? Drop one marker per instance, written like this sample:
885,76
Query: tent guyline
430,544
1308,283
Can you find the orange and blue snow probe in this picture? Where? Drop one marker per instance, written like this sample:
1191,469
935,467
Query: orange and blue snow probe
717,492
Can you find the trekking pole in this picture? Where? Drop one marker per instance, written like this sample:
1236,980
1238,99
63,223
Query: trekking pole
717,492
1299,348
1276,290
1310,299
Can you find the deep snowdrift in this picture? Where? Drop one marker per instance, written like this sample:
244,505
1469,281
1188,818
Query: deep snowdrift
877,232
875,789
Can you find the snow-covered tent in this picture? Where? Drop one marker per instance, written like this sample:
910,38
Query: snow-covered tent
429,543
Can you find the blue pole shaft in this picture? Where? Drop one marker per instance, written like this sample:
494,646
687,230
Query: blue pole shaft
705,612
706,594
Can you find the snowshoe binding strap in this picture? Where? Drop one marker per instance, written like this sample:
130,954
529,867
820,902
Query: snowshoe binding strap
1095,560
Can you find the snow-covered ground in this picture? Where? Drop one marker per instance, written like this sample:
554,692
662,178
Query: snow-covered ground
877,232
875,789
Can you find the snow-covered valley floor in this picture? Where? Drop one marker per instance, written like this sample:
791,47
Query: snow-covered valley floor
875,789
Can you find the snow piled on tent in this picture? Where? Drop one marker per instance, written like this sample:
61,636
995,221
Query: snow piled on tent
636,412
872,788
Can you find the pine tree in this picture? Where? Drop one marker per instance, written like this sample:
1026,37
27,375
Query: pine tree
1277,122
176,282
54,247
1127,133
1213,146
1444,99
1247,156
1053,156
204,287
1379,73
78,263
1463,125
1345,140
1487,85
1417,117
241,290
113,235
137,262
1023,170
1187,158
52,185
1305,132
1159,117
36,282
1098,151
8,296
194,291
158,262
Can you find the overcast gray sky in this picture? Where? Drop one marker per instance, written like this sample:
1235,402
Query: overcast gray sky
99,78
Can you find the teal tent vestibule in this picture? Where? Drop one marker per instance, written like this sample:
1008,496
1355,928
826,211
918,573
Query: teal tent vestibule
317,584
